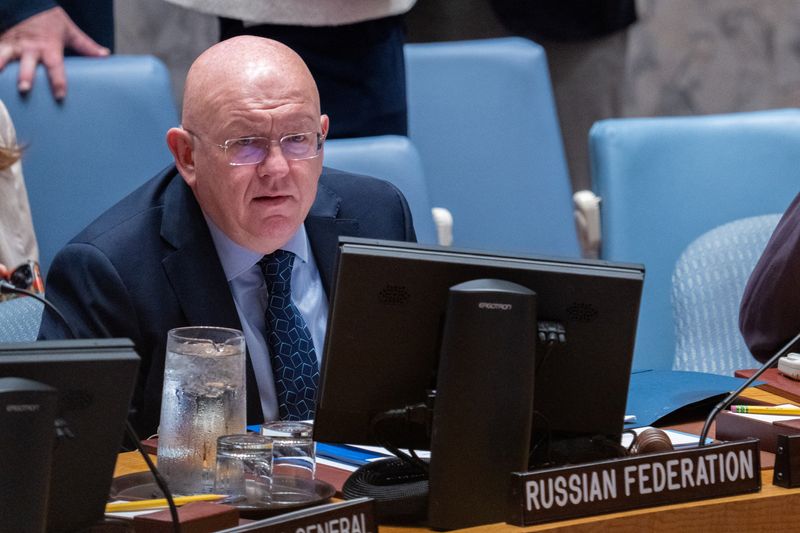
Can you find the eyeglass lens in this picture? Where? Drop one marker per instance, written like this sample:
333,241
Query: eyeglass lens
253,150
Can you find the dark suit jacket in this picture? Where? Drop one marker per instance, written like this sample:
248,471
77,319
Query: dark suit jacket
148,265
565,20
769,314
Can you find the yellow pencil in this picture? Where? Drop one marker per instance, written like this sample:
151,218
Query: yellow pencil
760,410
140,505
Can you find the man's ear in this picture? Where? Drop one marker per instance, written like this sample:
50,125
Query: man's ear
324,122
181,145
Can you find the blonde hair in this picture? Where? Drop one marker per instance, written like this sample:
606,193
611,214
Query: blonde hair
9,155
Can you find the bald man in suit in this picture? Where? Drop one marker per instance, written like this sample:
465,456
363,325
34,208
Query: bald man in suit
184,249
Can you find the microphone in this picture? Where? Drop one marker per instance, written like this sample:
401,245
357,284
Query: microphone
7,287
724,404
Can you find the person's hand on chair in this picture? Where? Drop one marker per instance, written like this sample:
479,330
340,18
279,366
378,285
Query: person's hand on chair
42,38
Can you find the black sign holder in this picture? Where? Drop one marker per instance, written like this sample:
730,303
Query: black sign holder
634,482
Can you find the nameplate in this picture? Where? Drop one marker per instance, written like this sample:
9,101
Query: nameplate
634,482
354,516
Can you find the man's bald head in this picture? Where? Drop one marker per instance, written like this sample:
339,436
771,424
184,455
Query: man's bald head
251,64
257,95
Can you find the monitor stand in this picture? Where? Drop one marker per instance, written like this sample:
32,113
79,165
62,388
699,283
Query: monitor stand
484,403
481,418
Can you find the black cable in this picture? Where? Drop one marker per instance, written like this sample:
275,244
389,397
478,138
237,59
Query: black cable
543,440
417,414
546,439
410,458
548,351
6,287
633,440
160,481
398,486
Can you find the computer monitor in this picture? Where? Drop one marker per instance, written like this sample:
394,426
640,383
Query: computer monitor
387,308
94,380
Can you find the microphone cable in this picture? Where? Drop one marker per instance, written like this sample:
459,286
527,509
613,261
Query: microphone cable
7,287
724,404
160,481
418,414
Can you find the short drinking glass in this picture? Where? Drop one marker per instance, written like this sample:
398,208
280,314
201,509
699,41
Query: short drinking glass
293,450
244,466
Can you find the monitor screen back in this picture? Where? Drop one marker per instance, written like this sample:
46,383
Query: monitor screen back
384,332
95,380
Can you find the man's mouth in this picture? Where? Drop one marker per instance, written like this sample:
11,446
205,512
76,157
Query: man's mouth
271,200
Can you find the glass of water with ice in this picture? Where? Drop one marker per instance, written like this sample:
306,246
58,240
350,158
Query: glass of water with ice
203,398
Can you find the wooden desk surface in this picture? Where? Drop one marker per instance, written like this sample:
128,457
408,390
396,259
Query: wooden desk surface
772,510
755,393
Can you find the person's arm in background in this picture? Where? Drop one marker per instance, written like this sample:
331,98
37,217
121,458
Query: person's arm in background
35,31
769,314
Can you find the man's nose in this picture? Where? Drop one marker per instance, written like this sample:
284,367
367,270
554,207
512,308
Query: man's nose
275,163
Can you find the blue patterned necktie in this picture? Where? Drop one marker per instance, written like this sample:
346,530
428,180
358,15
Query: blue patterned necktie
294,361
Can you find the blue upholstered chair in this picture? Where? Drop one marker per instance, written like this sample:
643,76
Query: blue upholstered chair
482,116
20,319
707,286
82,155
665,181
395,159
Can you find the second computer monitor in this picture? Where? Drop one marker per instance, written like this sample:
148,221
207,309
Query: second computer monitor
385,323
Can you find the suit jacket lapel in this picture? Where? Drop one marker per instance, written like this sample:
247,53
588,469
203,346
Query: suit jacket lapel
324,230
193,267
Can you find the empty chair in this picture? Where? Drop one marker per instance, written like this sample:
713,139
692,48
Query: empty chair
395,159
665,181
707,286
83,154
482,116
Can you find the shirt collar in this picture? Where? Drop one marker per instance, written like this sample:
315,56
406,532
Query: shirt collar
237,259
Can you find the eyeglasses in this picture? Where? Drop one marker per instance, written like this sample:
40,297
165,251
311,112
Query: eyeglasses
254,150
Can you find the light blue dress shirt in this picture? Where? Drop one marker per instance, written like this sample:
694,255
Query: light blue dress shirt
249,292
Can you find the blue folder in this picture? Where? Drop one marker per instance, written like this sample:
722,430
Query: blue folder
654,394
349,455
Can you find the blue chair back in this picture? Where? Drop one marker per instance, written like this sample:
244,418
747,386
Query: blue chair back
665,181
83,155
707,286
392,158
482,116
